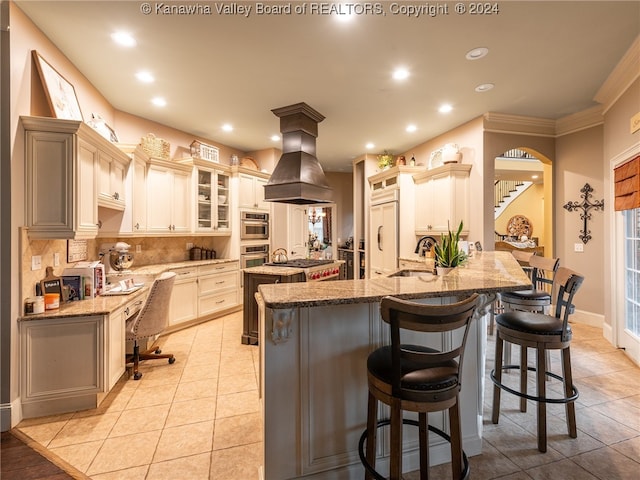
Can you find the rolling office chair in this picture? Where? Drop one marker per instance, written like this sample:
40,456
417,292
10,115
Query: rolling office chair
542,332
150,321
419,379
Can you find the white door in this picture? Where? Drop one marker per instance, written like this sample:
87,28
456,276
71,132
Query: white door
628,317
298,232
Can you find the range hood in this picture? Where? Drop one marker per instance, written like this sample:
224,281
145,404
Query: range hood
298,177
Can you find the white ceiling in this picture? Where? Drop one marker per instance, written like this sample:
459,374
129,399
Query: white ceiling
546,58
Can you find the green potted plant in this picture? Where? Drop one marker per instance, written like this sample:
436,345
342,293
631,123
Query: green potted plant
385,160
448,254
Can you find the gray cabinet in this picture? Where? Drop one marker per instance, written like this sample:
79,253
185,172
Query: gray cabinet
250,314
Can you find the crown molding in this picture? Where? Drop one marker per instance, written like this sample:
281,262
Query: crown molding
517,124
576,122
623,75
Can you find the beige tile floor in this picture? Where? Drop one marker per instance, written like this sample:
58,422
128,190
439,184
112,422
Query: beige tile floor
199,418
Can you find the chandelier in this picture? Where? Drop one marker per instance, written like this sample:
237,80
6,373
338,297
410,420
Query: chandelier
316,216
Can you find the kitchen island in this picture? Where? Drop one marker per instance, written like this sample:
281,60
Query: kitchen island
314,342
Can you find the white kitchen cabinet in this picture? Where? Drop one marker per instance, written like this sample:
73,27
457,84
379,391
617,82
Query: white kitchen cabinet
218,287
184,296
252,191
60,174
201,291
168,197
139,194
212,197
443,196
133,219
112,172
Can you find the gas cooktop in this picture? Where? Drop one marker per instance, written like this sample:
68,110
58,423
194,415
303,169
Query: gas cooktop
300,263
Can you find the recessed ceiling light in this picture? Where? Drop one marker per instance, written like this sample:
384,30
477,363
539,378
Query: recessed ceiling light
477,53
485,87
159,102
400,74
411,128
123,38
369,146
145,77
445,108
275,138
227,127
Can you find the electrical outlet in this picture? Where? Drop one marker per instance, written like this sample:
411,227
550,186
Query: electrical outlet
189,246
578,247
138,248
56,259
36,262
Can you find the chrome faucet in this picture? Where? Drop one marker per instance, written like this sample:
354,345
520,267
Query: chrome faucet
424,245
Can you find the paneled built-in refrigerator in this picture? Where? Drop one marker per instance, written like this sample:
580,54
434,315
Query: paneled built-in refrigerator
383,238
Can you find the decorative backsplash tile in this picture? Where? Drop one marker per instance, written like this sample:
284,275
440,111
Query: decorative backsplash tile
154,250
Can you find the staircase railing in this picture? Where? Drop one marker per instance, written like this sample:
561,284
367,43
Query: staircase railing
504,188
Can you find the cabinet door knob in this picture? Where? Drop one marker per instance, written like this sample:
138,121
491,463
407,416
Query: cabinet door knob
137,226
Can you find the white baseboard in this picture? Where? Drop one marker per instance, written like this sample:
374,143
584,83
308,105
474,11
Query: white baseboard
588,318
607,332
10,414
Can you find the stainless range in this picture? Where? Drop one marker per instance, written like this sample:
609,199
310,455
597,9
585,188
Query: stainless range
314,270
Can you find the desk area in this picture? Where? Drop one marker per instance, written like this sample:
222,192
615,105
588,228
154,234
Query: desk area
315,339
72,356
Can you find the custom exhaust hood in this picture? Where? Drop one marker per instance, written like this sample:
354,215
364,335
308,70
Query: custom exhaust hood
298,177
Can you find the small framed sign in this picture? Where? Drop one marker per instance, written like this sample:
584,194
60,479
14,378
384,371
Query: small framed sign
76,250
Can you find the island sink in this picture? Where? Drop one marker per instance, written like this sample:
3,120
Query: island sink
412,273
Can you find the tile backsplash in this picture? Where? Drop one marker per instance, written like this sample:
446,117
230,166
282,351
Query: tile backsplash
154,250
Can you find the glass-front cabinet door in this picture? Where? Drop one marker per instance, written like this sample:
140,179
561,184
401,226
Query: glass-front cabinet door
223,212
213,201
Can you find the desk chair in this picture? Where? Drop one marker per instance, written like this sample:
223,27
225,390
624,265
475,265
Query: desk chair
544,333
419,379
150,321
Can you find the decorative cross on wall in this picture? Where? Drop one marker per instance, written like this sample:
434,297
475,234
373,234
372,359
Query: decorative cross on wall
585,206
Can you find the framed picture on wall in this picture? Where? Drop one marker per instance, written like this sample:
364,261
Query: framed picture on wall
60,93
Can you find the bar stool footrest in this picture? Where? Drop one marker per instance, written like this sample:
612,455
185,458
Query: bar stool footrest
406,421
517,393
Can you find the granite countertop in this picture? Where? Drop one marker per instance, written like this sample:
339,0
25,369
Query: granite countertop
274,270
101,305
158,268
105,304
485,272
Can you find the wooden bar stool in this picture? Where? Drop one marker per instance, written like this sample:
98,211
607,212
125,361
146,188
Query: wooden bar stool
536,299
544,333
523,259
419,379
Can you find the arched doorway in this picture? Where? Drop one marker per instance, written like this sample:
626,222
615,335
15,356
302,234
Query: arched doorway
523,198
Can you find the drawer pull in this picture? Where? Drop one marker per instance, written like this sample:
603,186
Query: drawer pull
220,301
